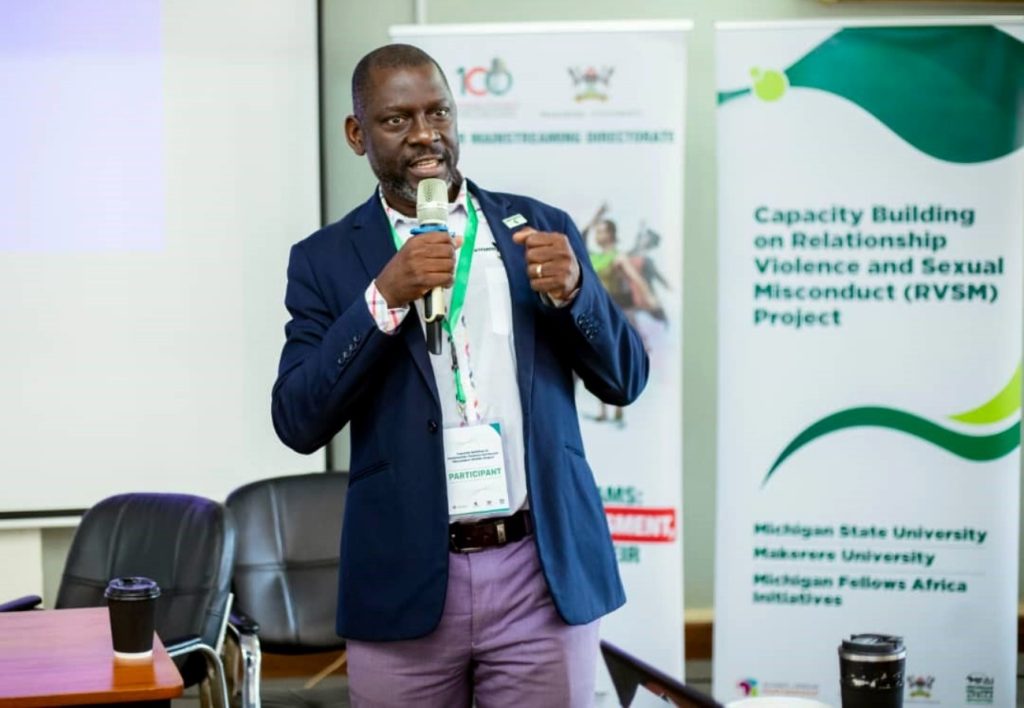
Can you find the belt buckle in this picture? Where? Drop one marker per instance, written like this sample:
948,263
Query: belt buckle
467,549
455,547
500,532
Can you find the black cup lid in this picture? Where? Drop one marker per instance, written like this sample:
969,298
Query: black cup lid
132,588
873,644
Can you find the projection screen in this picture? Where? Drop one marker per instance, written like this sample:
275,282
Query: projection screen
159,158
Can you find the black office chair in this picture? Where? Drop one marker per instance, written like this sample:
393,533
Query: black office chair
186,544
286,574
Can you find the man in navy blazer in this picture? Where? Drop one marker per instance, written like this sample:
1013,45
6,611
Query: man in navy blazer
437,605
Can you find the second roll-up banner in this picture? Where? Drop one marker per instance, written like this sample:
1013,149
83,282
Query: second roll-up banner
589,117
871,219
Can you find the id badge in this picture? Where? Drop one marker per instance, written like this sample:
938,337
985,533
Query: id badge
475,470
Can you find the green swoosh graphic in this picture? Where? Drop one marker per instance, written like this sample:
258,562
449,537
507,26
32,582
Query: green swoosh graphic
726,96
1001,406
980,448
954,93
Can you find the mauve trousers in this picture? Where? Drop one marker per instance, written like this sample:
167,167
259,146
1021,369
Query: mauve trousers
500,642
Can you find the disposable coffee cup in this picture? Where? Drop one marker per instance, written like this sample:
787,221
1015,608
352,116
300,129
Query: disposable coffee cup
871,670
132,605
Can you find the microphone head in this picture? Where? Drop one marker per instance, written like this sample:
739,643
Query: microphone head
432,201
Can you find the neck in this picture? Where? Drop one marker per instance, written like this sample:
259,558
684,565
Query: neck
454,189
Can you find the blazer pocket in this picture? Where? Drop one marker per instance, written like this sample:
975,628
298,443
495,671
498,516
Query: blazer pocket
575,450
582,489
367,471
585,485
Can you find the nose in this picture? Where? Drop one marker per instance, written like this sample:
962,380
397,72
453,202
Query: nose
422,131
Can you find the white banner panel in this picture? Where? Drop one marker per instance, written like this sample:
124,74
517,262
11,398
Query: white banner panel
871,214
589,118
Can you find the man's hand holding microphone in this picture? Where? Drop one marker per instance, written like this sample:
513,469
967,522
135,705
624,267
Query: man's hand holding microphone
426,263
423,263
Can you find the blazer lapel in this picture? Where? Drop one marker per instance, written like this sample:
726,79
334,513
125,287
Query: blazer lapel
375,247
524,299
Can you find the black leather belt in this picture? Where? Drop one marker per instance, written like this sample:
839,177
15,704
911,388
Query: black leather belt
478,535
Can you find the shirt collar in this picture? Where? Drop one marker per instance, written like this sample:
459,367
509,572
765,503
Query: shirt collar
396,217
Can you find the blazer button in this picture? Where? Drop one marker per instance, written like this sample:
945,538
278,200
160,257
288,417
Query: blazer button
432,425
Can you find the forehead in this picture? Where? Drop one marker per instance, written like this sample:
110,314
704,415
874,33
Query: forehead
405,86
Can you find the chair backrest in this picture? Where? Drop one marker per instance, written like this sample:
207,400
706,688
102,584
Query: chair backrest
629,673
286,567
185,543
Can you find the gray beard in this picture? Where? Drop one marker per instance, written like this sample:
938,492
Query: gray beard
403,189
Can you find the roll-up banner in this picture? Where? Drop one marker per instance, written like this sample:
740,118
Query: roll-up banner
589,117
871,214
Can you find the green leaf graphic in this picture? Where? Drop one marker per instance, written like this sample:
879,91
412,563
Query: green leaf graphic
955,93
725,96
979,448
1001,406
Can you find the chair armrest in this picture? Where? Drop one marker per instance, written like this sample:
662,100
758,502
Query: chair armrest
27,602
243,623
183,645
194,643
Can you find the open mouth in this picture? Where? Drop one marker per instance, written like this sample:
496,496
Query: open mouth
429,166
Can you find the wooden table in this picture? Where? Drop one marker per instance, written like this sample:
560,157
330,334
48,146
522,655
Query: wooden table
64,657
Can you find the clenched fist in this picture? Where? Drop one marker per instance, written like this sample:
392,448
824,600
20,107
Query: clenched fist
550,262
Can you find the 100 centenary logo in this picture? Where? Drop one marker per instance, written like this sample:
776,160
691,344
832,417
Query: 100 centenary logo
495,80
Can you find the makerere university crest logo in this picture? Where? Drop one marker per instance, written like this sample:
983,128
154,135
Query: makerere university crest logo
920,686
591,84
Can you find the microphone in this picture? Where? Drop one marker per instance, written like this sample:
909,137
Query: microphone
432,214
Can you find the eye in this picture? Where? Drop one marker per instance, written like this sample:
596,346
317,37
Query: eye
394,121
443,112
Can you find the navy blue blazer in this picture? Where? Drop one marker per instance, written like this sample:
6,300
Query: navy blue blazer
337,368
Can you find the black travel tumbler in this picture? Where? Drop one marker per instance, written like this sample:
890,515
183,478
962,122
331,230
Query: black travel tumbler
871,671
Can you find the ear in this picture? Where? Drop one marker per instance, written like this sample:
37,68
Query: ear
354,135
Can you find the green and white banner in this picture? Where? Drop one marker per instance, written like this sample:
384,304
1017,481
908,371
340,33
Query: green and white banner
871,217
589,117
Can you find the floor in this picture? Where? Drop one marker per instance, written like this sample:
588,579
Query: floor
328,692
698,675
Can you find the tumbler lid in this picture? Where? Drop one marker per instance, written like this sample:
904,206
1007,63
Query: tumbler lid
876,647
132,588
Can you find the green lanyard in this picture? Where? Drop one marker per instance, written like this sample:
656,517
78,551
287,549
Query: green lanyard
458,289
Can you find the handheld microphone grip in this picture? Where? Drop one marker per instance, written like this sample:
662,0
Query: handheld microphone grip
434,339
432,215
433,301
433,305
433,313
